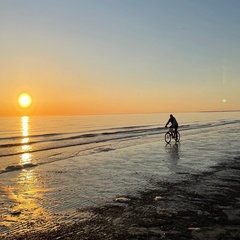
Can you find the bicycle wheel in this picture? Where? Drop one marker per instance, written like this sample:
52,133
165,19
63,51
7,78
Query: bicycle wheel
167,137
178,137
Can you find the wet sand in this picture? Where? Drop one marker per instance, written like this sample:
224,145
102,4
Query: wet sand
203,206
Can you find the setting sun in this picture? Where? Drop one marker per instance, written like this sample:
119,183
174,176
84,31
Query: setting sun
24,100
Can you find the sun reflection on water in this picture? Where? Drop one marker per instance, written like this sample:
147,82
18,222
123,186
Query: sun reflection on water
26,157
24,202
25,126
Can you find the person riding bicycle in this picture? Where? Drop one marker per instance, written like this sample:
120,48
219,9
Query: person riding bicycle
174,123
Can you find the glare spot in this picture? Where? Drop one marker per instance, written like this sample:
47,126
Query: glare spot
224,100
24,100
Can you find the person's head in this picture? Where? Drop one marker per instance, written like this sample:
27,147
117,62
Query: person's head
171,115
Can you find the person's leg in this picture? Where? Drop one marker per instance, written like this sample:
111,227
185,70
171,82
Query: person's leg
175,131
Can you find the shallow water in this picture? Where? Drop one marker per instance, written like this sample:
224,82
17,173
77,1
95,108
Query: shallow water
47,173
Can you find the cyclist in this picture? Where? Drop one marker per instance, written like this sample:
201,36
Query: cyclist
174,125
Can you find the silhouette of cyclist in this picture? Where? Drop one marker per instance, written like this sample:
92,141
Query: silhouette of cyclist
174,124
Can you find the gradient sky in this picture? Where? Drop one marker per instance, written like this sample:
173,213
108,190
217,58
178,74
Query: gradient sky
119,56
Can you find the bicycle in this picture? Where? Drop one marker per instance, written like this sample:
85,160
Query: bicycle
171,135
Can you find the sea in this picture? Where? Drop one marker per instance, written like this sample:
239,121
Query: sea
52,166
29,141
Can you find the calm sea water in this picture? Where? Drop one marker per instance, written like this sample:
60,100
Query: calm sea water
29,141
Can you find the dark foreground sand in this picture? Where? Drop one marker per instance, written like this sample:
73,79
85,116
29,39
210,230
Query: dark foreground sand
205,207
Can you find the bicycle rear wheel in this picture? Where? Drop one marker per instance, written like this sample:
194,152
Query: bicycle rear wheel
167,137
177,137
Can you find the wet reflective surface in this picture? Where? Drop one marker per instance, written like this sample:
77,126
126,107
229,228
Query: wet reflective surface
26,157
47,195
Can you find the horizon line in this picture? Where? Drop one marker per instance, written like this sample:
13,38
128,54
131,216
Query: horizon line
102,114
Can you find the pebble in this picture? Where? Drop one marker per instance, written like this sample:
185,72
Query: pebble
157,198
122,199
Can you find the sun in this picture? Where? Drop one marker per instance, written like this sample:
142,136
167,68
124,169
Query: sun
24,100
224,100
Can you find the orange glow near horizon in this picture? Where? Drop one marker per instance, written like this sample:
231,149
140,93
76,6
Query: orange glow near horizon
67,103
102,67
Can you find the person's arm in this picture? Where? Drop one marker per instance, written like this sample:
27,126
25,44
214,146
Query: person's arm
167,123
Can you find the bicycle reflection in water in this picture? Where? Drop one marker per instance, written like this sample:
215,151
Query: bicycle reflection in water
173,155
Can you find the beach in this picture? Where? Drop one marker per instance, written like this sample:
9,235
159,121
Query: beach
129,187
206,206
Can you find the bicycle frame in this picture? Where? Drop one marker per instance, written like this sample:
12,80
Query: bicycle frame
171,134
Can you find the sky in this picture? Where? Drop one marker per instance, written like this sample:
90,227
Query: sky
119,56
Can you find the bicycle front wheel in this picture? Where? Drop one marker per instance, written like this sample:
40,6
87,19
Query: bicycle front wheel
167,137
178,137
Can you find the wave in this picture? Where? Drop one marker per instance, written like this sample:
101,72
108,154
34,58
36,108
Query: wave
9,145
62,140
32,136
12,168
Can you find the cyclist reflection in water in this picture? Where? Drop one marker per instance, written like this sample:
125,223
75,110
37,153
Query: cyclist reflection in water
174,124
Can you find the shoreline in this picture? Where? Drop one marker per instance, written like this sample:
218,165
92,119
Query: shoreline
205,206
